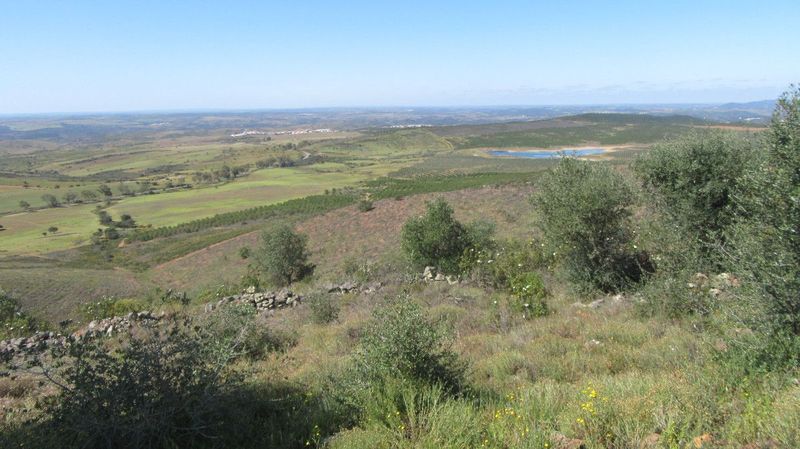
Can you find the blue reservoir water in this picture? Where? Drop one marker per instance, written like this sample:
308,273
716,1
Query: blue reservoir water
549,154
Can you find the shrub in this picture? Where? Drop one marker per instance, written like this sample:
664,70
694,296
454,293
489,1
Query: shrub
282,256
402,414
50,200
323,308
400,342
235,331
436,238
110,306
584,211
693,179
497,267
152,392
104,218
480,234
251,278
358,270
170,296
13,321
244,252
529,295
365,206
126,221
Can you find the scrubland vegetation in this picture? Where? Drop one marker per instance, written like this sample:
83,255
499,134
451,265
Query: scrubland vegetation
639,303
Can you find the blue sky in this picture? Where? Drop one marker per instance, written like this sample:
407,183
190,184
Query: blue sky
69,56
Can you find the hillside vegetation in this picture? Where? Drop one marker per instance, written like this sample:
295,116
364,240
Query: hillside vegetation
438,298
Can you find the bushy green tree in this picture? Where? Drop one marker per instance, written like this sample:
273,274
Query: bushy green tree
105,190
692,180
436,238
70,197
126,221
765,244
105,218
88,195
584,211
282,256
50,200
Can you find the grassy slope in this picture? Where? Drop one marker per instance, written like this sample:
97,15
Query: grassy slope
347,233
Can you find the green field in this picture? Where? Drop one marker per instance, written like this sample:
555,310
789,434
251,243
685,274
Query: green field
23,234
260,188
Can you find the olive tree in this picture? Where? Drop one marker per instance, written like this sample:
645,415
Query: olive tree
584,211
436,238
282,256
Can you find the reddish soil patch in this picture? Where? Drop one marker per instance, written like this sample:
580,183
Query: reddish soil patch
347,233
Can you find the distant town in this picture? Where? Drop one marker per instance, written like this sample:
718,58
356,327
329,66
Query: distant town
292,132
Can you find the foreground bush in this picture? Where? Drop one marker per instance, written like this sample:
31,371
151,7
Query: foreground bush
282,256
584,210
149,393
13,321
402,343
177,387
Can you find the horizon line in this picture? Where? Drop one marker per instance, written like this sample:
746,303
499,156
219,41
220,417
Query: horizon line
384,107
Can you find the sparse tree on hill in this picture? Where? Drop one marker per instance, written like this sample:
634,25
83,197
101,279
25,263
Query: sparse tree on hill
105,190
50,200
111,233
435,239
89,195
105,218
282,256
70,197
126,221
52,229
24,205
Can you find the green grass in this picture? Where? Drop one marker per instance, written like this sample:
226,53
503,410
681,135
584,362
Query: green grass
262,187
398,187
23,234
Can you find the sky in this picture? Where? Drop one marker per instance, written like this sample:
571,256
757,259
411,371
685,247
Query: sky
96,56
